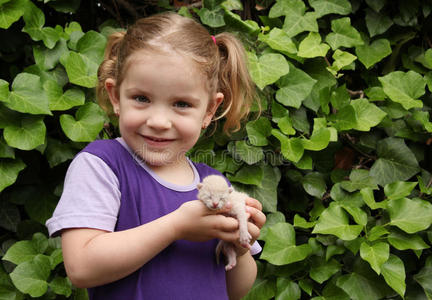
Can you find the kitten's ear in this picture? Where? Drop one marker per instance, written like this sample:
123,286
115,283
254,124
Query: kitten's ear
230,190
199,186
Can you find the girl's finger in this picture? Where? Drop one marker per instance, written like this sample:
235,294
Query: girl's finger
256,216
254,203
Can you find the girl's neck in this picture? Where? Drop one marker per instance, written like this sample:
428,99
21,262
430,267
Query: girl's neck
180,173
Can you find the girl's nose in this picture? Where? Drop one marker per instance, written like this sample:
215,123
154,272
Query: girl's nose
159,120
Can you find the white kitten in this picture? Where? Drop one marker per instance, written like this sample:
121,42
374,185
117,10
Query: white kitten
214,192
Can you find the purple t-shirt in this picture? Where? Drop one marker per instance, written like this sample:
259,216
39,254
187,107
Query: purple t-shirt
107,188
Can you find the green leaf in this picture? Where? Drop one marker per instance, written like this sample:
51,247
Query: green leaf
334,220
376,233
359,179
258,131
376,255
399,189
396,162
377,23
41,208
9,216
410,215
343,35
311,46
30,277
81,70
10,12
86,125
425,59
279,40
280,247
5,150
63,101
314,184
424,278
294,87
46,58
213,18
325,7
393,272
403,241
9,170
341,59
369,199
58,152
323,270
371,54
367,114
267,69
21,252
248,175
296,23
287,289
292,149
61,286
302,223
358,287
27,134
92,45
28,96
248,153
404,88
284,7
319,140
262,289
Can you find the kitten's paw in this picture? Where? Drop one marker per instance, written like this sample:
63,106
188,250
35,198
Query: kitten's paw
245,239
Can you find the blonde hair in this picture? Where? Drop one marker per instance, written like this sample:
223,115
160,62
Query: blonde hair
223,62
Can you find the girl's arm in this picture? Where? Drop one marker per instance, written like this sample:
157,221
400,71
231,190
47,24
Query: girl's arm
241,278
94,257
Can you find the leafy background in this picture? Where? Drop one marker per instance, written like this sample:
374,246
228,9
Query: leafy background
340,156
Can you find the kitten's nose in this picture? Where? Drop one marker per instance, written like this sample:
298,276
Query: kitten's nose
215,204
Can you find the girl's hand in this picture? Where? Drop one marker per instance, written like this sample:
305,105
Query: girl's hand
256,221
195,222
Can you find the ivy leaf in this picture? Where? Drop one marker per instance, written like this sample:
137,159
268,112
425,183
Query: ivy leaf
63,101
58,152
213,18
341,59
393,271
311,46
399,189
267,69
284,7
334,220
292,149
287,289
9,170
314,184
9,216
47,58
319,140
296,23
262,289
404,88
10,12
248,153
92,45
322,270
376,255
424,278
86,126
61,286
280,247
325,7
28,96
26,134
371,54
358,287
5,150
403,241
20,252
377,23
396,162
343,35
81,70
248,175
279,40
30,277
359,179
367,114
258,131
294,87
410,215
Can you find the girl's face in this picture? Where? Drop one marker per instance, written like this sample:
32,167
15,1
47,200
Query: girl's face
162,105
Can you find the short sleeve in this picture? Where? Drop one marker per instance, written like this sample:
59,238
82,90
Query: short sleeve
255,248
90,198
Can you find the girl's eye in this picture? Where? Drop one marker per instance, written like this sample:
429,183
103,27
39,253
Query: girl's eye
141,99
182,104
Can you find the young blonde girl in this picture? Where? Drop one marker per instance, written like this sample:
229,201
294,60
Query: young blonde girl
130,223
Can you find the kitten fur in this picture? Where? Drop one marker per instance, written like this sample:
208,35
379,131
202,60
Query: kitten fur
214,192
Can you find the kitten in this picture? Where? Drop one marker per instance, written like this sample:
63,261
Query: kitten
214,192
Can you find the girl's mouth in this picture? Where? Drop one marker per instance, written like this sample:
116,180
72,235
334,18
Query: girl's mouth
155,141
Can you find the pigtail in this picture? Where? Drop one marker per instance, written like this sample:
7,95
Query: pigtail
234,82
108,69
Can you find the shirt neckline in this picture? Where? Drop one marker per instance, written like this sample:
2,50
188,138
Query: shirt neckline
165,183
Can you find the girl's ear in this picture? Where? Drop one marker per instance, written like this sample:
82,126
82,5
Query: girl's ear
110,87
213,106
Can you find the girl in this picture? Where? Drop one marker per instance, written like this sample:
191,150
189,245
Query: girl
130,225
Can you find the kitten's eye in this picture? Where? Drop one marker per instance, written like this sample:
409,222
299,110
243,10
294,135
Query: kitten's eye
182,104
142,99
